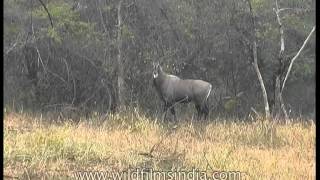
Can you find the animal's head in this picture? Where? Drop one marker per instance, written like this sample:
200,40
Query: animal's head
156,70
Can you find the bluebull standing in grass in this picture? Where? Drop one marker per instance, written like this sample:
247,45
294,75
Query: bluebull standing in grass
173,90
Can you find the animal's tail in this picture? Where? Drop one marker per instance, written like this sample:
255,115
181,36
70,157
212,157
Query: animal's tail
206,100
209,92
212,99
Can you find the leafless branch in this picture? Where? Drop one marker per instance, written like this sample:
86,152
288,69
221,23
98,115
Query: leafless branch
40,59
285,9
67,67
255,111
12,47
101,17
296,56
49,15
56,75
74,90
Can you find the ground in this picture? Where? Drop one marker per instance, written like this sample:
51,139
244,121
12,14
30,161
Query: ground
37,146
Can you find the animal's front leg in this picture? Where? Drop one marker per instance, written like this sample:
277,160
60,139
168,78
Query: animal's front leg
165,108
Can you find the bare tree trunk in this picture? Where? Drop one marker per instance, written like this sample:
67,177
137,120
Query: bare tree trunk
256,67
263,89
279,105
119,59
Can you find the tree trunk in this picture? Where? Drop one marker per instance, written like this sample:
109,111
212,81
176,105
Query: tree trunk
256,67
120,78
279,104
263,89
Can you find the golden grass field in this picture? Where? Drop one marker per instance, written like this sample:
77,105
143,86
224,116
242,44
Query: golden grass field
36,147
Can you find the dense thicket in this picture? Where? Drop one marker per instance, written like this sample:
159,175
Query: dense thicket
72,56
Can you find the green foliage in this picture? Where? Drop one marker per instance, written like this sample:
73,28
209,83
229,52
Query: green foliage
231,104
208,38
261,6
52,33
66,22
107,8
186,16
298,23
126,33
302,70
11,29
270,31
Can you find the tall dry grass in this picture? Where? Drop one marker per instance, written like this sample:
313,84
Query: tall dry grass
35,146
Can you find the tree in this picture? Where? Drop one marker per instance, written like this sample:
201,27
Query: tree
280,79
120,58
116,41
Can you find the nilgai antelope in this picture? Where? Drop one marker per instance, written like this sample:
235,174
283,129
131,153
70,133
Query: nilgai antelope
173,90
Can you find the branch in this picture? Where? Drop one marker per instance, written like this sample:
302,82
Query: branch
295,10
11,48
296,56
154,147
40,59
284,9
45,8
101,17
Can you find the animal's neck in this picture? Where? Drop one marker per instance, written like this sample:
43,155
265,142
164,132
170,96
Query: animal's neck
160,78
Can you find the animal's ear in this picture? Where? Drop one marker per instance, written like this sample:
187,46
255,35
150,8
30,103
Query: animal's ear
159,67
156,65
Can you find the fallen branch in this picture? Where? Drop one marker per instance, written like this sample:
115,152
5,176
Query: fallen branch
255,112
11,48
11,177
154,147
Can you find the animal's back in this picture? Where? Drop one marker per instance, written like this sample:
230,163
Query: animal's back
200,89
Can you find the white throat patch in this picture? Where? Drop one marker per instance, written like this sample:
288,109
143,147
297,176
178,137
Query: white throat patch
155,75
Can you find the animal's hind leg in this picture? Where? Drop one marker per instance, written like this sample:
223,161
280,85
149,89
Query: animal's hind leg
199,112
174,114
205,110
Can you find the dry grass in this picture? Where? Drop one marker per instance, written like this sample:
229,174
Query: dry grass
34,147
